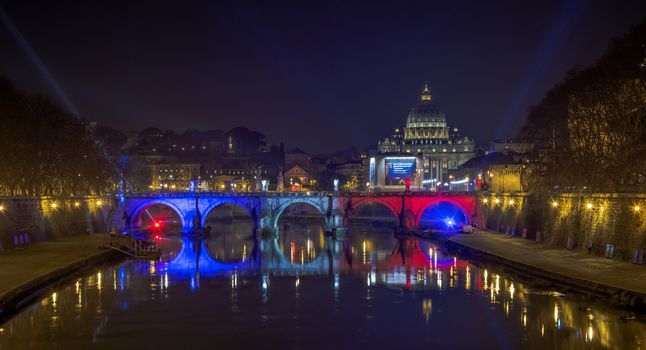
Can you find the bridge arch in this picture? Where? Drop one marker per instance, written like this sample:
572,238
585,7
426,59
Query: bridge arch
225,201
138,210
393,204
317,204
439,202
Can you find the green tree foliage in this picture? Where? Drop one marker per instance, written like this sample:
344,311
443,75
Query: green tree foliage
46,151
590,129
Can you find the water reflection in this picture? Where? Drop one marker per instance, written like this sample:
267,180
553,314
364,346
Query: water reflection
366,290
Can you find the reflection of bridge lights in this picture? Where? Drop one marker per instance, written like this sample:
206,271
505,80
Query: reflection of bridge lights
590,333
467,284
265,283
336,281
512,290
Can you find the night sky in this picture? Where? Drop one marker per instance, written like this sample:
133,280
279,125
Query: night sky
321,75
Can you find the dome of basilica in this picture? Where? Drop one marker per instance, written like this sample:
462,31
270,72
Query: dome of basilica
425,111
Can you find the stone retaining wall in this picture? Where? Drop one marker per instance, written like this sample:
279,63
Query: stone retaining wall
26,220
585,222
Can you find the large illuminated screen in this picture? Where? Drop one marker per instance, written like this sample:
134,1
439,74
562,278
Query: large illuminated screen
399,169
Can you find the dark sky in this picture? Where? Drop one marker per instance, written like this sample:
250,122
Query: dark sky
321,75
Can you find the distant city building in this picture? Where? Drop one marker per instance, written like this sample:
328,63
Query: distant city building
173,177
297,178
298,157
496,172
427,134
515,146
237,160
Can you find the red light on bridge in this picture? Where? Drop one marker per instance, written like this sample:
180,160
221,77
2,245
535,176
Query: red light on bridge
157,237
156,225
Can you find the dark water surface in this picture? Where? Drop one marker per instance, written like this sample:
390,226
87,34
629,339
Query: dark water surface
306,291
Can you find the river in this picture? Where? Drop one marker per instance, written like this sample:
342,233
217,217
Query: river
304,290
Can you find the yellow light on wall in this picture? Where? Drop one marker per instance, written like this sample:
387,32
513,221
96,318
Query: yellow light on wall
636,208
511,202
99,203
589,205
54,205
77,204
485,200
555,204
496,201
1,208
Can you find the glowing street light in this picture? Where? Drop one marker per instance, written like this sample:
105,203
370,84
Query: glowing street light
54,205
1,208
77,204
485,201
589,205
511,202
496,200
636,208
554,204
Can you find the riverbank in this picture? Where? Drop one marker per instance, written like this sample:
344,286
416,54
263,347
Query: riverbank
26,273
621,282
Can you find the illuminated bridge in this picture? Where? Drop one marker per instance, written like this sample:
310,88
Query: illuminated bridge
265,208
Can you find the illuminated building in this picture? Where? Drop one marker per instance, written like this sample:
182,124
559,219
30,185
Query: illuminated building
427,134
173,176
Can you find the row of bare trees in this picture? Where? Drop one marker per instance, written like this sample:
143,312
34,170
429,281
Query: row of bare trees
45,150
589,130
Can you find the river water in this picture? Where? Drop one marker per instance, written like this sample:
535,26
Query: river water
304,291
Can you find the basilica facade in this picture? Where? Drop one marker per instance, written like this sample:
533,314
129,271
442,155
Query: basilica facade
428,135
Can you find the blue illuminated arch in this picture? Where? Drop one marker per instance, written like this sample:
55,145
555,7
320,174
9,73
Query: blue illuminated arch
147,204
219,203
446,213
